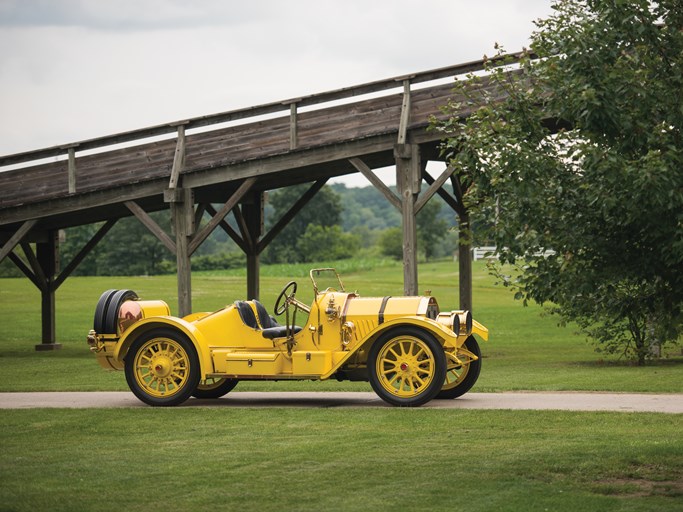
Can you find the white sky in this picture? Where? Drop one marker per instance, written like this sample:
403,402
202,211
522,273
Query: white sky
77,69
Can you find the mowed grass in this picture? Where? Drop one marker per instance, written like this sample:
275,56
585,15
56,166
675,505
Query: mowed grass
526,350
274,459
332,459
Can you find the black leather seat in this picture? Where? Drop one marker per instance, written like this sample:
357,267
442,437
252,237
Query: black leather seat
264,318
268,326
246,314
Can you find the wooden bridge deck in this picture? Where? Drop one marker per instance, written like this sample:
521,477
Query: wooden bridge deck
295,146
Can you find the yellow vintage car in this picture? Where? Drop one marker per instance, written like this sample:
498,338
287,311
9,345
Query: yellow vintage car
407,349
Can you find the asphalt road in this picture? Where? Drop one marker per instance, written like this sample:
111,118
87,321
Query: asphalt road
566,401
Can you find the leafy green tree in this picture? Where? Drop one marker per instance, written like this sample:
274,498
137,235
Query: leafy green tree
325,243
431,230
391,243
131,249
324,209
605,191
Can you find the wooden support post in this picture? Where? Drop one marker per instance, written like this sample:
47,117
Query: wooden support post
293,129
178,158
405,114
464,242
48,259
71,169
465,261
183,223
253,217
408,179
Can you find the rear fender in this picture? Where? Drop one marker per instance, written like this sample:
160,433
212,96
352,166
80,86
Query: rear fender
188,329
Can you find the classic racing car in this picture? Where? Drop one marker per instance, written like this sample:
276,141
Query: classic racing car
407,349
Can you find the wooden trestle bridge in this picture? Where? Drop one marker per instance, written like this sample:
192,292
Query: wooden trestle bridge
223,163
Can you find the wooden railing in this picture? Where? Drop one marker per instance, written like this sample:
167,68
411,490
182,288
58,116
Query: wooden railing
292,105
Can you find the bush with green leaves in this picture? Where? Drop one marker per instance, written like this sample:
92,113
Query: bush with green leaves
582,153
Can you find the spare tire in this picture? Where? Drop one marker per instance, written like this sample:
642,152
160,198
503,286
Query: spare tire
101,311
117,299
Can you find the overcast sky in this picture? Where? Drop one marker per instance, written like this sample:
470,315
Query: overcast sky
78,69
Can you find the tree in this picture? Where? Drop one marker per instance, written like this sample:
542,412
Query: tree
323,210
605,190
391,243
431,231
327,243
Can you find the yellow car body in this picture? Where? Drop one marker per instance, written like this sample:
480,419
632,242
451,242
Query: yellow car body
405,347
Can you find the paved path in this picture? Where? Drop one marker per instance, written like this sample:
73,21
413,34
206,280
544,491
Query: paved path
567,401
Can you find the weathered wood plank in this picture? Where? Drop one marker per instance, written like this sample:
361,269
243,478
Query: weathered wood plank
16,238
150,224
379,184
202,234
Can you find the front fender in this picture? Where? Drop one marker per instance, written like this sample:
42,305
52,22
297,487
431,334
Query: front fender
443,334
188,329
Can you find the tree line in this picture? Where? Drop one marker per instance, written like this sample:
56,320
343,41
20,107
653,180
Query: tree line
339,222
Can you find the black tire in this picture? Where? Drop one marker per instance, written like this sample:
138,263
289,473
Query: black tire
162,367
422,358
215,389
101,311
466,381
117,299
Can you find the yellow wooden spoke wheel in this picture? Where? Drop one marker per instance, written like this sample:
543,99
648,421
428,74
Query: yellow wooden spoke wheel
462,371
407,366
214,387
162,367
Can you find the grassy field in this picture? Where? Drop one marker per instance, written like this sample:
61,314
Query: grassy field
333,459
526,351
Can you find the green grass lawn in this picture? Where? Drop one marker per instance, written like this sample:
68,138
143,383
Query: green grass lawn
526,350
333,459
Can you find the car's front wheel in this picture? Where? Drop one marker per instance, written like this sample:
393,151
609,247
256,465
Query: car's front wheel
406,366
214,387
162,367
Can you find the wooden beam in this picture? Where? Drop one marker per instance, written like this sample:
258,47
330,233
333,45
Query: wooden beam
183,220
202,234
244,230
448,199
287,217
293,130
150,224
379,184
24,269
228,229
433,187
35,266
71,169
16,238
253,220
407,182
178,158
465,262
48,261
198,214
405,113
84,252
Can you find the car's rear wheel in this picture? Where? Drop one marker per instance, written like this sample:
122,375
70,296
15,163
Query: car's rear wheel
214,387
461,375
162,367
406,367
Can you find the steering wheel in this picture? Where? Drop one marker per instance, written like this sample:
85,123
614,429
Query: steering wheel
285,294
